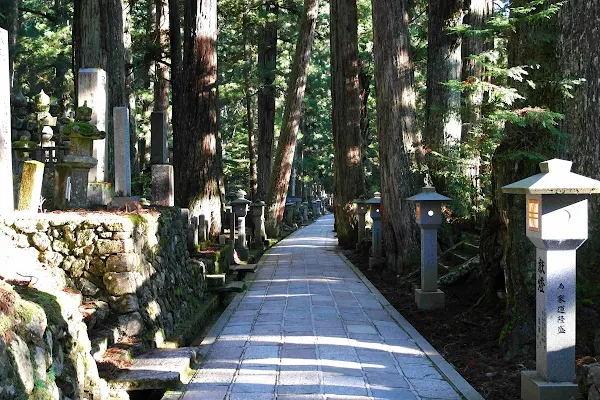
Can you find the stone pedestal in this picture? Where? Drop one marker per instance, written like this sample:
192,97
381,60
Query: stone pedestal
163,185
429,300
535,388
6,169
80,168
31,186
62,189
158,138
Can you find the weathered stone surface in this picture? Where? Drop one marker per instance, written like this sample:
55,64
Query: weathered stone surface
60,246
6,177
124,304
163,185
122,159
123,262
19,352
108,246
97,267
121,225
87,287
41,241
31,186
51,258
131,324
85,237
120,283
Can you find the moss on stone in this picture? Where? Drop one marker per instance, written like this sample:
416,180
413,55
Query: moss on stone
80,128
46,301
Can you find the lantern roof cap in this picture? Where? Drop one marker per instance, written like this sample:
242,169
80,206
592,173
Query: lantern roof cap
556,178
376,199
240,194
428,193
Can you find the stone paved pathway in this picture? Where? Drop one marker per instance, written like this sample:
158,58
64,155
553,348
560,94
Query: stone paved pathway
309,327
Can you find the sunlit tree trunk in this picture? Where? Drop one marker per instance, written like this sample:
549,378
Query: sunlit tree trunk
443,124
284,157
398,131
267,58
197,165
250,112
346,113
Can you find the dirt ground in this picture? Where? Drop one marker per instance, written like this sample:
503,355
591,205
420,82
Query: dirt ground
466,337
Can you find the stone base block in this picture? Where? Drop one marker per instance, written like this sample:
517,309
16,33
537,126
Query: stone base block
376,262
163,185
118,202
429,300
99,193
535,388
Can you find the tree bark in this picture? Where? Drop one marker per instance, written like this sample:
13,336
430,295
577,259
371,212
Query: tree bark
346,112
284,158
249,113
578,42
267,64
443,125
198,166
399,135
161,81
13,19
504,227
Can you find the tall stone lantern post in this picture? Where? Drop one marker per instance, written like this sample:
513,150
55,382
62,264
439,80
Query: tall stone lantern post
361,209
240,209
257,210
557,224
376,258
429,218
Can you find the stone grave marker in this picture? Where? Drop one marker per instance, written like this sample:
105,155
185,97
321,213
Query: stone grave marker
92,89
429,218
557,224
163,185
31,186
158,138
122,151
7,204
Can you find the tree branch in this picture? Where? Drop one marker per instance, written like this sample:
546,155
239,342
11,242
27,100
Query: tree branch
43,14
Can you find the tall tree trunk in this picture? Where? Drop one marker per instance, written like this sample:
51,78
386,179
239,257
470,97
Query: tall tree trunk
578,42
267,64
399,134
161,81
479,12
13,19
147,71
198,164
443,126
513,267
284,158
250,112
175,45
346,113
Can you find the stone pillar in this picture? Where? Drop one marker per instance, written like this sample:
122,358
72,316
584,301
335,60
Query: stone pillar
192,234
163,185
376,258
122,151
293,183
305,212
289,213
257,210
62,187
202,228
92,88
361,211
158,138
315,210
7,204
231,227
31,186
240,209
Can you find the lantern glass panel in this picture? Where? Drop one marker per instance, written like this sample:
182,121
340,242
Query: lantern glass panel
418,211
533,215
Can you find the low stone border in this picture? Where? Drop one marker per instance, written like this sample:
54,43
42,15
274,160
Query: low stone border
453,377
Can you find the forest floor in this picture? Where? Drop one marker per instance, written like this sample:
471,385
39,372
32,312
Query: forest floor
465,336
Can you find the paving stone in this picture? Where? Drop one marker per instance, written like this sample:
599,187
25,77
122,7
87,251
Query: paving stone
435,388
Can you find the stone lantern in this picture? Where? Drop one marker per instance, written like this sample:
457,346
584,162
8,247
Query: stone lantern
240,209
289,213
376,233
315,210
361,210
557,224
428,205
257,211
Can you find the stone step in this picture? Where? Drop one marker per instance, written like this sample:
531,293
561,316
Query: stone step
243,268
158,369
94,312
102,340
237,287
215,280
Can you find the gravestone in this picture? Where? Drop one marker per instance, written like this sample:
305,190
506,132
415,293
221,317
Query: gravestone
92,89
163,185
257,211
122,151
557,224
31,186
192,234
7,204
429,218
158,138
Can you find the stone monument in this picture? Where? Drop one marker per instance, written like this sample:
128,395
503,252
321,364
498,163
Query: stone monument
92,90
240,209
289,213
376,258
361,210
7,204
557,224
257,210
158,138
429,218
163,182
122,157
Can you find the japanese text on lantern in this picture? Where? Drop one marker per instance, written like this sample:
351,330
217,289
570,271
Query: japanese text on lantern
561,309
541,283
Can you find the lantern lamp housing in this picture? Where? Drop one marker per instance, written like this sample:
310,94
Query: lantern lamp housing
428,205
375,204
240,204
